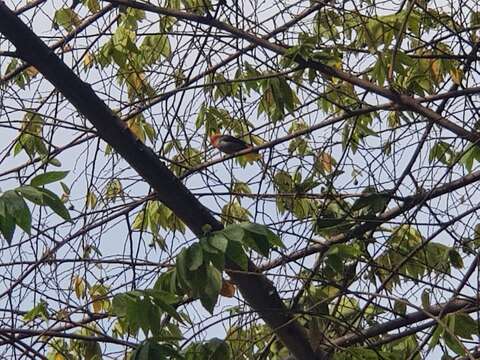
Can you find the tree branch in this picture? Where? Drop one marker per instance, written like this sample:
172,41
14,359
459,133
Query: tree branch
403,101
412,318
256,289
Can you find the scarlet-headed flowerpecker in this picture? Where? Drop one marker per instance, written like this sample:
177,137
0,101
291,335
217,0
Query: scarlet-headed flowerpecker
230,145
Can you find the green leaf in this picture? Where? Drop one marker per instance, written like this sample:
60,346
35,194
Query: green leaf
218,349
347,306
234,212
335,262
164,300
375,202
241,187
234,232
40,310
218,260
257,242
65,188
66,18
212,288
400,307
153,46
136,311
223,87
17,208
121,303
53,161
167,281
7,227
213,349
453,343
53,201
195,257
48,177
455,259
218,241
31,193
207,247
197,281
443,152
140,222
425,299
181,266
436,336
360,353
93,351
472,154
113,189
200,117
344,251
236,254
465,326
91,200
150,349
261,233
474,18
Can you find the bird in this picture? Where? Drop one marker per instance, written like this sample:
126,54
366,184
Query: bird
230,145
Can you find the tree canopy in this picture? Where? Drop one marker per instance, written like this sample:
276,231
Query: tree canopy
348,230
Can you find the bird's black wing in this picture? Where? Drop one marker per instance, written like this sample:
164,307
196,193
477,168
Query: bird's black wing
234,140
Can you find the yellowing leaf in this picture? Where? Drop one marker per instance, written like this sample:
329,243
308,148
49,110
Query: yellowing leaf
456,75
325,163
113,189
98,294
436,69
251,157
97,306
136,80
241,187
62,315
234,212
31,71
393,119
92,5
59,356
137,129
228,289
79,286
88,60
140,222
91,200
255,140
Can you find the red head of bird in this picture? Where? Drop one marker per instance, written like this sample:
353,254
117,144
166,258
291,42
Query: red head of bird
214,138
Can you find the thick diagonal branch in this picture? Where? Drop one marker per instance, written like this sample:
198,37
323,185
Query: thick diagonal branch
256,289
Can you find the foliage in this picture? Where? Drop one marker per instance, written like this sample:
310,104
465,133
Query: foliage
14,211
361,208
199,267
